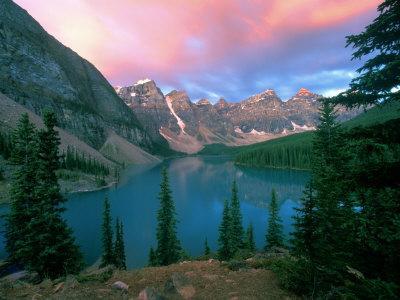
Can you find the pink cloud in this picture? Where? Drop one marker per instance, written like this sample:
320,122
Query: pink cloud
143,38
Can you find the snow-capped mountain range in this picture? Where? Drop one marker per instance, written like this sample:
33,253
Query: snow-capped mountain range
188,126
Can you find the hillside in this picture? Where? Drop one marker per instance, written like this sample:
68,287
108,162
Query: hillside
120,150
123,152
10,113
39,72
294,151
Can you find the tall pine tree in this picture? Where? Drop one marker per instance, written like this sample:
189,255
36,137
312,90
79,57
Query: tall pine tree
22,190
119,246
53,248
107,235
225,234
153,262
207,250
236,220
306,225
333,207
378,79
274,236
374,153
168,246
249,241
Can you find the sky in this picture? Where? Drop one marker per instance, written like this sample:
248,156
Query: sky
213,48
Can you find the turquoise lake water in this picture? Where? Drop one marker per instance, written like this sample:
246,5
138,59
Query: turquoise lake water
199,186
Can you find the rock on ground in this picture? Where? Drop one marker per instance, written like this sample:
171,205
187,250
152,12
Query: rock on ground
119,285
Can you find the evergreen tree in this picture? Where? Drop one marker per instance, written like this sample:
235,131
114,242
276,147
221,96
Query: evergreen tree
378,81
373,163
334,208
348,217
5,145
306,225
153,262
250,243
72,160
225,234
274,236
107,235
119,248
207,250
236,220
168,246
22,195
52,247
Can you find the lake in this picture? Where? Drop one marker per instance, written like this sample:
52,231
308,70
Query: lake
199,186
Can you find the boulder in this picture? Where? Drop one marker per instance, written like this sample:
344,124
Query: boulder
211,260
119,285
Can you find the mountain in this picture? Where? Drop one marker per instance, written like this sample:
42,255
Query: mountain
253,154
149,105
188,126
39,72
10,113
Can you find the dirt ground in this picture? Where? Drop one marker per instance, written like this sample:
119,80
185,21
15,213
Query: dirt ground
204,280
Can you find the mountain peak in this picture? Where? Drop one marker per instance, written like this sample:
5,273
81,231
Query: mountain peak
179,98
203,102
177,94
267,96
143,81
221,103
304,92
270,92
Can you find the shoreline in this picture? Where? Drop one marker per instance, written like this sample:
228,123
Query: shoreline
111,184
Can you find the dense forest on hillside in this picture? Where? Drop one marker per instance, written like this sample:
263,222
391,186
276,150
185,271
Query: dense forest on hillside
295,151
292,152
69,160
73,160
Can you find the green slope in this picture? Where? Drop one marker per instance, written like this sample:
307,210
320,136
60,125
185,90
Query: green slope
375,115
294,151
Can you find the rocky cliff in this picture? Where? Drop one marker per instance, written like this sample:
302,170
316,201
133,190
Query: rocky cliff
39,72
188,126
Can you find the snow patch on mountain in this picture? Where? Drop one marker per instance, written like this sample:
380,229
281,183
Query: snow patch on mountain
117,88
270,92
304,127
181,124
304,92
238,130
255,132
142,81
164,135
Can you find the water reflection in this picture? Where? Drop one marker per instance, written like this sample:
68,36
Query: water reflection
199,186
